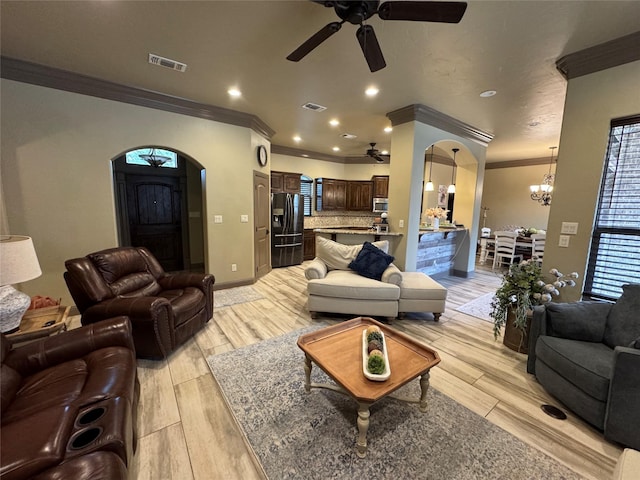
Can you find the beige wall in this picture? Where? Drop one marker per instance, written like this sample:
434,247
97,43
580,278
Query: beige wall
506,193
592,102
57,182
321,168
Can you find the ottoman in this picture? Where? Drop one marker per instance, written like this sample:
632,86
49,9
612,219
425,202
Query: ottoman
420,293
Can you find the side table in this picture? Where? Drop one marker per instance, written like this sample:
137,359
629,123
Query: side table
39,323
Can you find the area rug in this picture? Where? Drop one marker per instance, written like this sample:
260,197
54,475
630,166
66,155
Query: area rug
233,296
299,435
479,308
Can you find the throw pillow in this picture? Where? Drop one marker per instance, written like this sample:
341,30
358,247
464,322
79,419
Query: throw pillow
338,256
371,262
623,322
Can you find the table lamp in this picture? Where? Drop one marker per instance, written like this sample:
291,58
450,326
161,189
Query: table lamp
18,263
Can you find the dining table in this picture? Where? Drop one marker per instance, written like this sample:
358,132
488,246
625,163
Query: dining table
524,247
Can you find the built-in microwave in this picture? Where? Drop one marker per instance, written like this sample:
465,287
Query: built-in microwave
380,204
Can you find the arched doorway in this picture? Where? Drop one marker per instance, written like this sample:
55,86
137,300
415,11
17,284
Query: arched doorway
158,194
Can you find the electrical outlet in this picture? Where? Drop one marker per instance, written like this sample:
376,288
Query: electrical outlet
244,218
217,219
564,241
570,228
401,223
234,267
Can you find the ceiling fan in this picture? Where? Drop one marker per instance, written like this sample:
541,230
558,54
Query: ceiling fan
358,12
374,153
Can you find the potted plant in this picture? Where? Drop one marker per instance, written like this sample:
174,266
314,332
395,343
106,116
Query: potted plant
522,288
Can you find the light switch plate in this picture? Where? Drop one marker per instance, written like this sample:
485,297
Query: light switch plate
401,223
570,228
564,241
217,219
244,218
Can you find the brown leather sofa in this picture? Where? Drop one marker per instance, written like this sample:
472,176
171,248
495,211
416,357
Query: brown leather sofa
69,404
165,309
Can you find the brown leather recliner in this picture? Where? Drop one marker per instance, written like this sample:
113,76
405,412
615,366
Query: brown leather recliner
165,309
69,404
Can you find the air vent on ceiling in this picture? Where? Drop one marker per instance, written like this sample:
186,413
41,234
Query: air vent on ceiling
348,136
167,62
313,106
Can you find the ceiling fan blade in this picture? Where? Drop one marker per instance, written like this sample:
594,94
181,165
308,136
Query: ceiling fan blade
370,48
445,12
324,33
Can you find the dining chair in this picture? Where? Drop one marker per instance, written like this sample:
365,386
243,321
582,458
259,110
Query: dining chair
537,246
505,248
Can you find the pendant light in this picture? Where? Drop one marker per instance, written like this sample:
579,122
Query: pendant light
429,185
452,187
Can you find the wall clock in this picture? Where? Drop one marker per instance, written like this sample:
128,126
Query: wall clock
262,155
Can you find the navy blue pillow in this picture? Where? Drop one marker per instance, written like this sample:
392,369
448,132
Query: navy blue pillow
371,262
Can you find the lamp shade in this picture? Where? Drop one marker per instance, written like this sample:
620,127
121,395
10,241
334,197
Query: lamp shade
18,260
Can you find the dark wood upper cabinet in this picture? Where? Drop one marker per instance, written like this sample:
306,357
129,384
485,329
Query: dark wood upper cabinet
285,182
380,186
359,195
331,194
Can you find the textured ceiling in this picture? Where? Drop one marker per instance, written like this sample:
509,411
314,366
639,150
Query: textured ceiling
508,46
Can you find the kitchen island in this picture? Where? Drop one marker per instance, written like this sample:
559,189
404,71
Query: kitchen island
355,235
437,249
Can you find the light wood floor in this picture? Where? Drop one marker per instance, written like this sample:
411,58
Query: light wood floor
186,431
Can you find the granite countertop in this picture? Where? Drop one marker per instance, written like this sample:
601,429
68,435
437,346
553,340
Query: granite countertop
441,229
356,231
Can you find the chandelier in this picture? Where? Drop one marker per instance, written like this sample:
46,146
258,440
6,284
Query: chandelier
542,193
153,159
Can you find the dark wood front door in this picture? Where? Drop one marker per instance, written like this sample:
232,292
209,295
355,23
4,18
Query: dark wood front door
155,207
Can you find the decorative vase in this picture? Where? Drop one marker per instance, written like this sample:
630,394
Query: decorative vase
515,338
435,222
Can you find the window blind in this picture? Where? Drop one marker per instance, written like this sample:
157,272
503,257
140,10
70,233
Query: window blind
306,190
614,257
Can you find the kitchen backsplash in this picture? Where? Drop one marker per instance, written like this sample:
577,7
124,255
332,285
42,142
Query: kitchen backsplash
348,219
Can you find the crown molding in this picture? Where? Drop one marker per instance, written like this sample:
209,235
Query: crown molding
600,57
527,162
44,76
429,116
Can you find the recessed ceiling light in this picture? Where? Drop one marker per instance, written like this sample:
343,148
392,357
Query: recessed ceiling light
336,149
388,129
488,93
234,92
384,152
334,122
371,92
297,139
305,155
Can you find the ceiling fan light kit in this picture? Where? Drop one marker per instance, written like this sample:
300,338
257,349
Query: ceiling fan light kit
357,13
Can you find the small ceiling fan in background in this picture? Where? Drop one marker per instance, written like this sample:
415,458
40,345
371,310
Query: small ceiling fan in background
357,13
374,153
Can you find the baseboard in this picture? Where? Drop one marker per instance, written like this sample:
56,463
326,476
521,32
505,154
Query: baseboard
241,283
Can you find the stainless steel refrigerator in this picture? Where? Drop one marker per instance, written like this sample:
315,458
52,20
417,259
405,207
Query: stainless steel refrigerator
287,225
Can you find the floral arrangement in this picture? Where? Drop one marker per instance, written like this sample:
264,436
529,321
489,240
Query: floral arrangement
522,288
527,232
435,212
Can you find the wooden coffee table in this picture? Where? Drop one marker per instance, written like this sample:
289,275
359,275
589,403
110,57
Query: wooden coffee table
337,350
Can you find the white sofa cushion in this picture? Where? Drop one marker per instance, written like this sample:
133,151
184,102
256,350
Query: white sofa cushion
348,284
338,256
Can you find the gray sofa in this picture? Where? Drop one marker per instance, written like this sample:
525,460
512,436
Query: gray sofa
587,355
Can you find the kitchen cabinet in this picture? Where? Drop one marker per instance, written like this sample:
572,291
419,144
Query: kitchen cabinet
359,195
285,182
380,186
308,244
331,194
